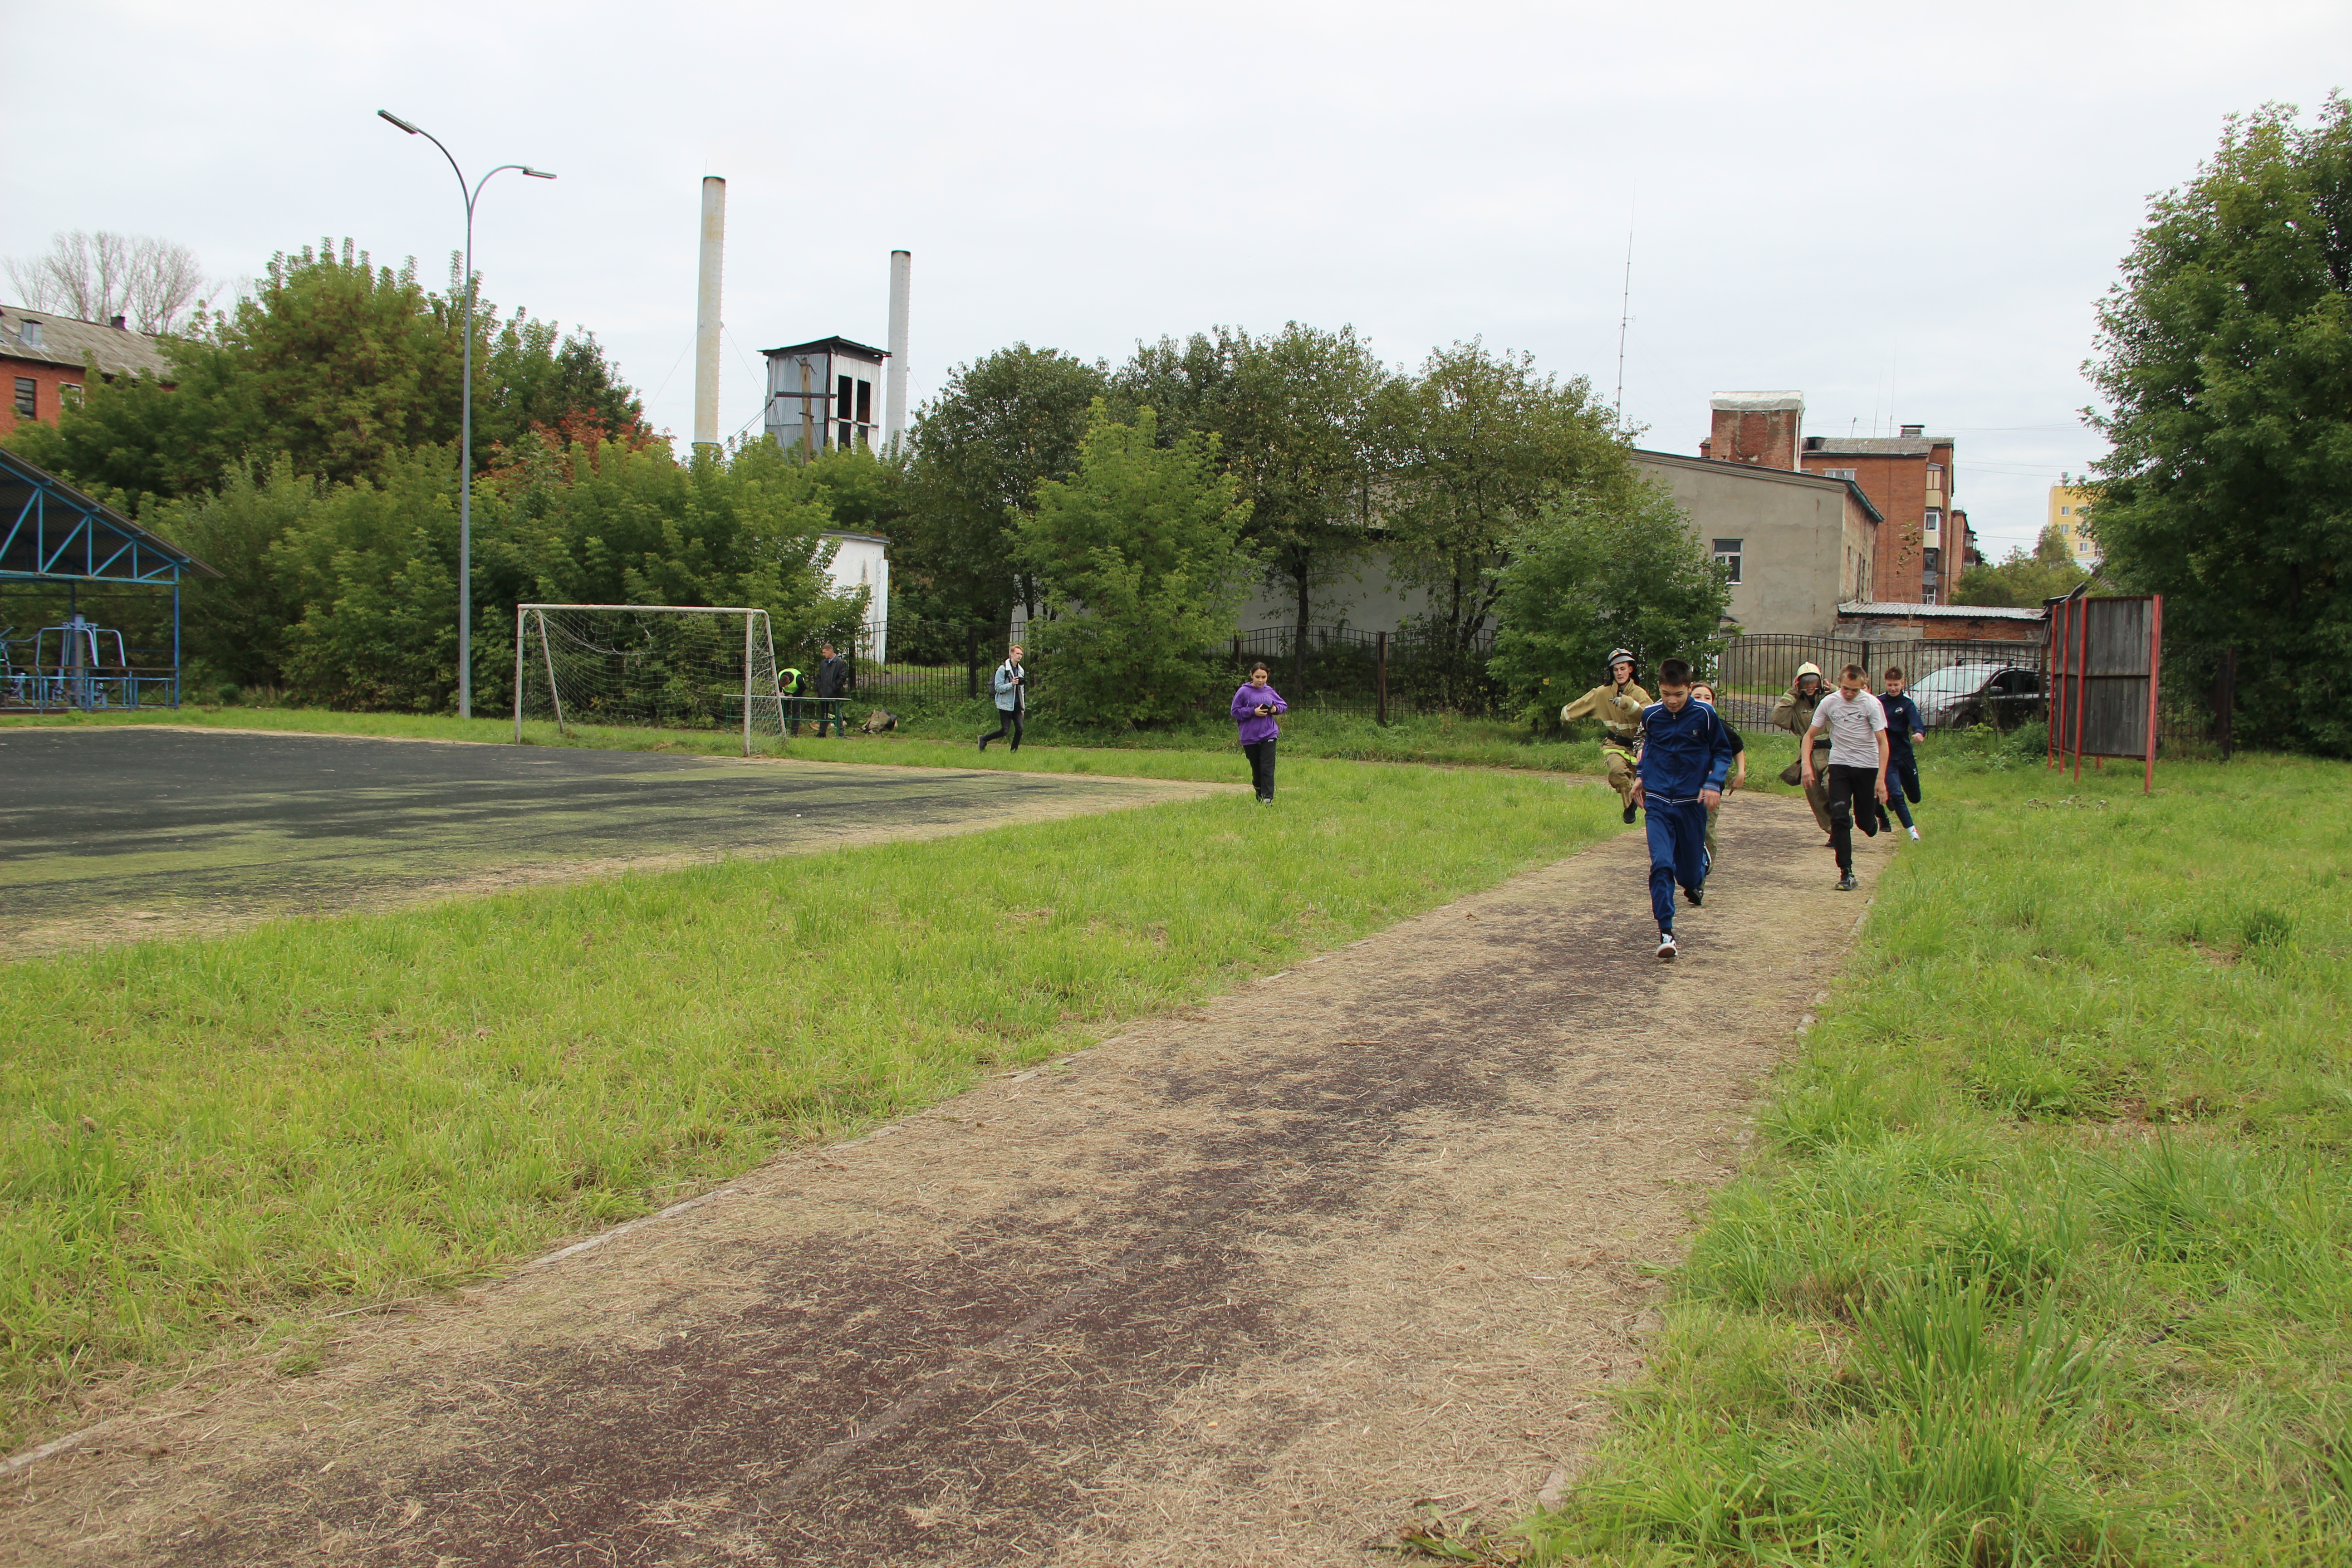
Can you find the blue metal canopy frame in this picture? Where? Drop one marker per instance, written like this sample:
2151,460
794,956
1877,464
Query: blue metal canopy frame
52,532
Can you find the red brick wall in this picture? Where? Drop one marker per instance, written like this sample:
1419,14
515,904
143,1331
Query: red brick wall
46,377
1767,438
1897,487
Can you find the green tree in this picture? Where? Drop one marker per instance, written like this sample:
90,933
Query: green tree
1141,558
1000,426
236,626
1477,444
1294,415
1591,574
2225,361
341,365
2021,579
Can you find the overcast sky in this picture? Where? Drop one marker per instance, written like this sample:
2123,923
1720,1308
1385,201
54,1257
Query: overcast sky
1905,213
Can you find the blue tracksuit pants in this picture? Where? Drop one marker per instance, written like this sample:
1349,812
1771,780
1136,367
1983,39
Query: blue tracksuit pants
1677,853
1902,779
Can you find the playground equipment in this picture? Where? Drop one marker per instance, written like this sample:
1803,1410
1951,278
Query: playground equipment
52,537
66,665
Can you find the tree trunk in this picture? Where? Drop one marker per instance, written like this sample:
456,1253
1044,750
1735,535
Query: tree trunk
1300,561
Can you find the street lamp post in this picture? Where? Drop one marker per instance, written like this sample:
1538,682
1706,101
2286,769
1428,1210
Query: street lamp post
465,420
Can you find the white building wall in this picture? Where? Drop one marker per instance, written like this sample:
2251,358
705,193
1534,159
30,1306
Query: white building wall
863,561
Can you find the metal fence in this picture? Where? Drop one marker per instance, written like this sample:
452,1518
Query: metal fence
1331,670
1383,675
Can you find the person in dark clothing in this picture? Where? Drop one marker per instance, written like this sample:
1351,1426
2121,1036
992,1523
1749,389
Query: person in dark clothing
1254,707
1904,725
1010,688
1686,754
1702,692
831,681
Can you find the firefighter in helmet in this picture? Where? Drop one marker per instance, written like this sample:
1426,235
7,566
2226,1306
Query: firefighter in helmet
1617,702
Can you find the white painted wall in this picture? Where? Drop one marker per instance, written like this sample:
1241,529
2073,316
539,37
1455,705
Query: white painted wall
863,561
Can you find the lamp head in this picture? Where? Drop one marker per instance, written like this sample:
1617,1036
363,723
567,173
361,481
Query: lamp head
537,174
396,119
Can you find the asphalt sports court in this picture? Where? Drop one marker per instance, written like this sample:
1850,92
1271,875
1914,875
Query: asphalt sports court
118,833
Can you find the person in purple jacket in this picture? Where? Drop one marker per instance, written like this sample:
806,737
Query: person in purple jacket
1255,706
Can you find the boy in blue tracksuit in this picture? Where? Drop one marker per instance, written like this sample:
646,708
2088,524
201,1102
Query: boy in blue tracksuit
1902,726
1686,753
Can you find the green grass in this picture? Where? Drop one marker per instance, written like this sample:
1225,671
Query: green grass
2044,1259
211,1143
947,736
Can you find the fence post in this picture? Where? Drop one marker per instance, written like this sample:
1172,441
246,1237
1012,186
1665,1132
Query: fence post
1383,709
2225,699
971,661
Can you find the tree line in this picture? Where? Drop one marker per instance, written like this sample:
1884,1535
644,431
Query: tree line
306,447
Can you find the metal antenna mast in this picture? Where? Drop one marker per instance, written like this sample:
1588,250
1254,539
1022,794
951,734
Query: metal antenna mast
1624,315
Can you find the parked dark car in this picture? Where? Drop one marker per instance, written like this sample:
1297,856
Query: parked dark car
1961,695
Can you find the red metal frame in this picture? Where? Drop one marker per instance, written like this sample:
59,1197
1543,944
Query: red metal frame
2069,644
2154,671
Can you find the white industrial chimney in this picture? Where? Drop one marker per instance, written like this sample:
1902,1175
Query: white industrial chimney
706,312
894,393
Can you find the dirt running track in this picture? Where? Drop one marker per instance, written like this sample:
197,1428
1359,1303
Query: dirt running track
1252,1285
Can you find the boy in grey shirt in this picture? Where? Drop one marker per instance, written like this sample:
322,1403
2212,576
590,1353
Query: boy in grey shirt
1858,731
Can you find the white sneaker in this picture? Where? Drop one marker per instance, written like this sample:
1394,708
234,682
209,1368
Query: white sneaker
1666,947
1915,836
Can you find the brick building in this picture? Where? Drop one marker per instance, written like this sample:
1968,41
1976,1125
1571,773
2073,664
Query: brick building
1910,476
47,359
1924,542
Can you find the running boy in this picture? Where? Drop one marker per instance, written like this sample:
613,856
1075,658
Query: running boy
1857,733
1686,753
1904,725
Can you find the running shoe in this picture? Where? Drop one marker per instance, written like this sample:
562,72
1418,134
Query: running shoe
1666,947
1846,884
1696,895
1915,836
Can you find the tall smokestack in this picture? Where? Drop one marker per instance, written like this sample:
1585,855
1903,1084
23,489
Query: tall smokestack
706,312
894,382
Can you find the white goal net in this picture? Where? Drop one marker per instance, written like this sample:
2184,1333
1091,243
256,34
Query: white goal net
654,665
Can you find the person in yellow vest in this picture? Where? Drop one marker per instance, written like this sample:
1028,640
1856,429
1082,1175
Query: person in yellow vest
1617,702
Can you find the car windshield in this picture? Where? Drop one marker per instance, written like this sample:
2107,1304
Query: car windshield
1954,680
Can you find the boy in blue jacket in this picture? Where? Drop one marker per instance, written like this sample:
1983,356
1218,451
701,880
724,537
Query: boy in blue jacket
1686,753
1904,725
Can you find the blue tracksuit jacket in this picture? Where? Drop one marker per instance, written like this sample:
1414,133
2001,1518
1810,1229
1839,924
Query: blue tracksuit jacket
1682,753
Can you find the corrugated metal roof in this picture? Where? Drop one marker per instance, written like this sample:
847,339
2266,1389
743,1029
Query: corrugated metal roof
1873,445
73,344
1938,612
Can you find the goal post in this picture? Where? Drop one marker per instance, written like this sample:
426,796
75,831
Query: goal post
669,667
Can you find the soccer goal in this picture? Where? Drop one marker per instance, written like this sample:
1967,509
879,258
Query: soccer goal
683,667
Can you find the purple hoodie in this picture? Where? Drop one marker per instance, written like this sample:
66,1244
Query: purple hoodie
1254,728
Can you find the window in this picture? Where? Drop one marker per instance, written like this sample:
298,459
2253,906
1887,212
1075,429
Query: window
1839,473
842,404
1932,559
1729,551
31,332
866,402
848,436
69,394
27,392
2064,512
1935,520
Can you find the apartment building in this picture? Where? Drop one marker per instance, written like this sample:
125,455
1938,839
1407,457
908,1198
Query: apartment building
1909,477
2070,514
46,360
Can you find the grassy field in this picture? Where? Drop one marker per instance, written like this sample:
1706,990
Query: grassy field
2045,1259
211,1145
949,739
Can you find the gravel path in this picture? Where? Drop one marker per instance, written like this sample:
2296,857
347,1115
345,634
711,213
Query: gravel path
1354,1245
